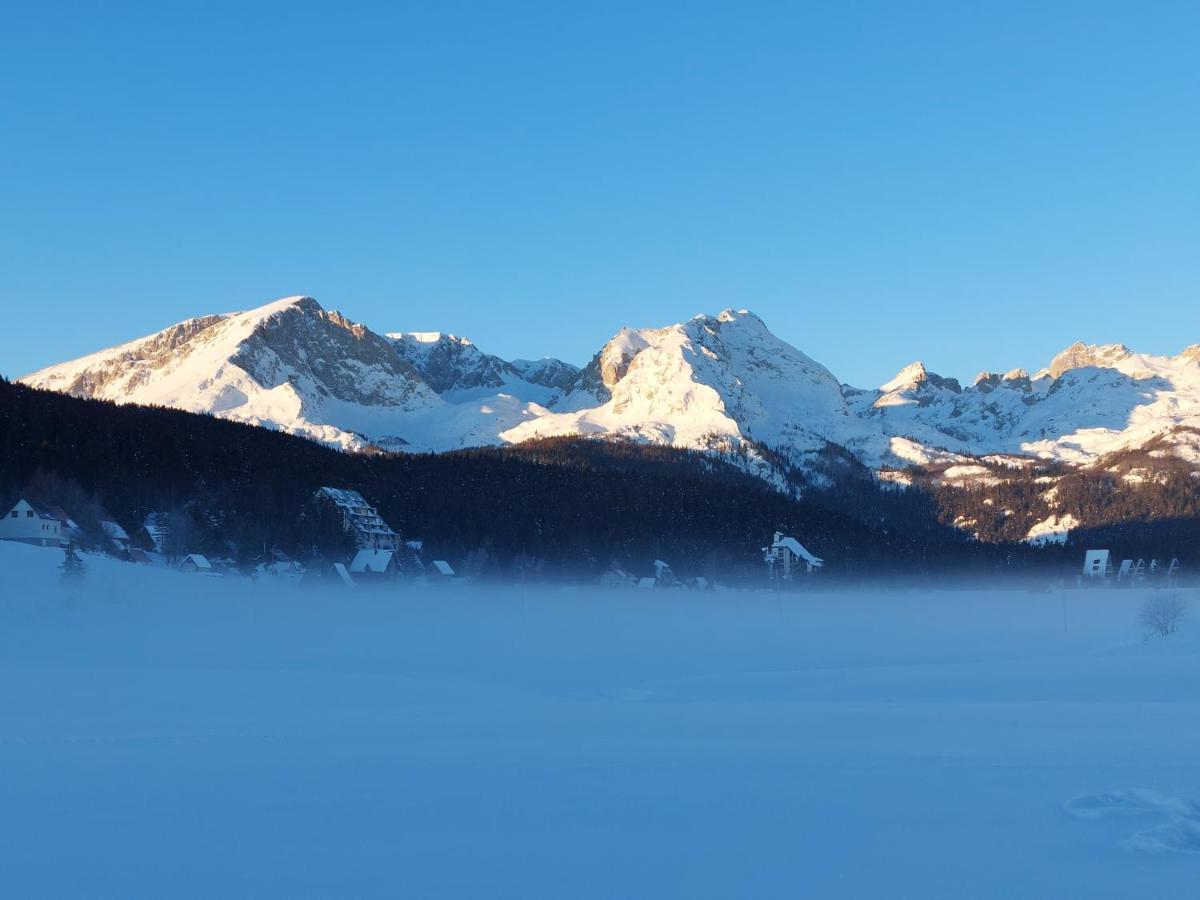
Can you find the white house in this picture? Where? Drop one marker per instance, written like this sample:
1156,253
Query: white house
1097,564
789,555
31,524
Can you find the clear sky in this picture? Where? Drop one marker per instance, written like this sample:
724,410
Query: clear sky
972,184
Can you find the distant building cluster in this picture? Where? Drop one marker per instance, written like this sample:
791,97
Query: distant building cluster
1098,567
380,553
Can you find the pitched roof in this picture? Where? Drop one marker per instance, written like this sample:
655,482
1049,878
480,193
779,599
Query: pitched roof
789,543
113,530
42,511
344,497
372,561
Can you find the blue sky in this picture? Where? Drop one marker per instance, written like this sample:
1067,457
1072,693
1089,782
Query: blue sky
975,185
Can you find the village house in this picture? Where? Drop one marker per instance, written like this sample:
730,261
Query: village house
1097,564
35,524
374,563
616,577
360,520
197,563
786,556
115,533
664,577
155,527
277,564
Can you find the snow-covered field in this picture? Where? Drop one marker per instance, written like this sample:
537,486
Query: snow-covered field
164,735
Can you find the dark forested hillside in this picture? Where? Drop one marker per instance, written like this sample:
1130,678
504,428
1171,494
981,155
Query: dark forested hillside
566,507
1137,503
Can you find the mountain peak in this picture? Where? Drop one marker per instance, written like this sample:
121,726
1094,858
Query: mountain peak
915,378
1080,355
910,376
737,315
300,302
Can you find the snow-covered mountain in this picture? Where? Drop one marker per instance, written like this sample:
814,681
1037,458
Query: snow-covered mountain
295,367
1090,402
289,365
721,382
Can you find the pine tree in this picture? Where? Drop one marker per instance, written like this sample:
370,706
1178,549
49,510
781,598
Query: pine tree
72,566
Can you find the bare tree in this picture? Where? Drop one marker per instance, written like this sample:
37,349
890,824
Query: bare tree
1163,611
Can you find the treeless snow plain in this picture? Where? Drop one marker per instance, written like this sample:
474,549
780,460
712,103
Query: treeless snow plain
165,735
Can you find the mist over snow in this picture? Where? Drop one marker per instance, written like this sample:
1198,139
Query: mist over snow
166,734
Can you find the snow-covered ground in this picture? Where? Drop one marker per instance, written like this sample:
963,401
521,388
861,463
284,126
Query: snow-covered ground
164,735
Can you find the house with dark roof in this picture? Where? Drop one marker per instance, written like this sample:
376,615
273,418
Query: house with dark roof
32,523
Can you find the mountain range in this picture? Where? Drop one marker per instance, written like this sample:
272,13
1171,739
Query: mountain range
722,383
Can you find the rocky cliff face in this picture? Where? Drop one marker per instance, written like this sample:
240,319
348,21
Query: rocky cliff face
452,365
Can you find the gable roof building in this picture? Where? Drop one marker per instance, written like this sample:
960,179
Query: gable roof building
31,523
790,555
155,527
196,562
373,562
1097,564
361,520
115,533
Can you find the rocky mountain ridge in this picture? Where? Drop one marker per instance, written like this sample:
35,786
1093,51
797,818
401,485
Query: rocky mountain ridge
722,383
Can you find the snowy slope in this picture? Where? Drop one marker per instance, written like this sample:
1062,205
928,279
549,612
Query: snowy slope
711,382
289,365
